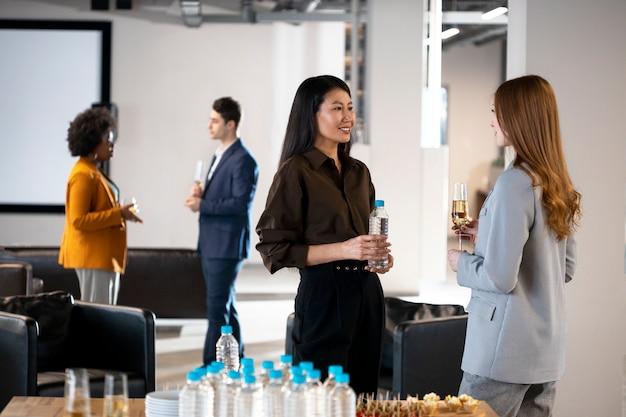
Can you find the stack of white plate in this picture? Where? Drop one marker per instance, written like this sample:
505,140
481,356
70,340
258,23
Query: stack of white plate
162,404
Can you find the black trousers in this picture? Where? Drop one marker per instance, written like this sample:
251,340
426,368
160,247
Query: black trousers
339,319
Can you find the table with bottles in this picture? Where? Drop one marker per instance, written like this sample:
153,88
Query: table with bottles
54,407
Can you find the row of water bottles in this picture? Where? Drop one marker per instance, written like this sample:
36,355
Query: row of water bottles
288,391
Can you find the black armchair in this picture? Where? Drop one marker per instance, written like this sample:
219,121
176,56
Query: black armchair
15,278
422,347
65,334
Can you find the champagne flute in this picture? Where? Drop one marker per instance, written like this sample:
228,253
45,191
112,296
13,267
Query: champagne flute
197,178
460,209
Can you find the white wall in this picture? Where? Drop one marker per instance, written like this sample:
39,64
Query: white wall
165,77
472,75
579,47
394,88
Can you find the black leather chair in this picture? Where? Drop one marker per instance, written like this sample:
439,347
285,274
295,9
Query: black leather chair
422,347
16,278
167,282
51,332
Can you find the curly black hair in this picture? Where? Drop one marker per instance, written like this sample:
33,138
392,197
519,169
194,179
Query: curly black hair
87,130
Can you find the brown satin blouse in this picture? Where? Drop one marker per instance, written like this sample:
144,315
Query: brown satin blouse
311,203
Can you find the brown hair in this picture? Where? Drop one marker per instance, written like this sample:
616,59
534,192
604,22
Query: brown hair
527,112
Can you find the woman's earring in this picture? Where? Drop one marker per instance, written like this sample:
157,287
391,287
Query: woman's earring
95,156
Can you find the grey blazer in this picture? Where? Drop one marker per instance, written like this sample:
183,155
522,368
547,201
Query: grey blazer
516,326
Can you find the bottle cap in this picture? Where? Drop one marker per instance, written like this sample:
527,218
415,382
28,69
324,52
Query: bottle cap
296,370
276,374
218,365
249,379
335,370
269,365
306,366
379,203
286,359
213,369
227,329
247,370
247,362
298,379
343,379
234,375
314,374
194,376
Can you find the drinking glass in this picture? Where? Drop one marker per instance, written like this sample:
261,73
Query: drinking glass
197,178
115,395
460,209
77,401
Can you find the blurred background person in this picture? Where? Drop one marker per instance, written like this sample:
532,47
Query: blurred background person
94,238
524,255
224,204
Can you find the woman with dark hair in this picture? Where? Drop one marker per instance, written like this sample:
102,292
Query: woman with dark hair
94,239
524,255
316,219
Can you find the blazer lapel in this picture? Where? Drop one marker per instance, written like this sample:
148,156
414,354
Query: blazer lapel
222,162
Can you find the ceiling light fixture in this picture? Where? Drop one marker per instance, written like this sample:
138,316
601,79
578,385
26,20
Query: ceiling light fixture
492,14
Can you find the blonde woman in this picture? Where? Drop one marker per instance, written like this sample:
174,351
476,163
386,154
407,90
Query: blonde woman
524,255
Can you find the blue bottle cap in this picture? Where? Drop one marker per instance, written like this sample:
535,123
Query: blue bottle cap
234,375
343,379
296,370
213,369
335,370
286,359
306,366
218,365
247,362
298,379
247,370
314,374
379,203
276,374
227,329
249,379
269,365
194,376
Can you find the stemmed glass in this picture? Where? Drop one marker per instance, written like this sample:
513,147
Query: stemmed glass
197,178
460,209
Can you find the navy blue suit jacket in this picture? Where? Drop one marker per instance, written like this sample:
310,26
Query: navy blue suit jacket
225,206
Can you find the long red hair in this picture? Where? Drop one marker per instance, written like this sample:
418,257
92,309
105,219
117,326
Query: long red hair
527,113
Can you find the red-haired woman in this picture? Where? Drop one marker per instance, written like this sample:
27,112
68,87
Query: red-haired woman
524,255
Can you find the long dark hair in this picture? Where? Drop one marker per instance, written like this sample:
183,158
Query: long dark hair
302,128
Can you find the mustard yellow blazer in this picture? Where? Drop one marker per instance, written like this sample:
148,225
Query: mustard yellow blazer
95,231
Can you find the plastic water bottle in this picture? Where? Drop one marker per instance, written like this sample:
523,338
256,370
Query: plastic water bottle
188,397
285,366
333,371
227,394
295,405
315,402
274,396
214,379
205,398
379,225
227,349
342,398
249,401
264,375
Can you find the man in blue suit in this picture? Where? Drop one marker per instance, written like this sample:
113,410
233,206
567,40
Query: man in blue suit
224,205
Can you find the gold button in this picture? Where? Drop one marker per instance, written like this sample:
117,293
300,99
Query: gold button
338,268
347,268
355,268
